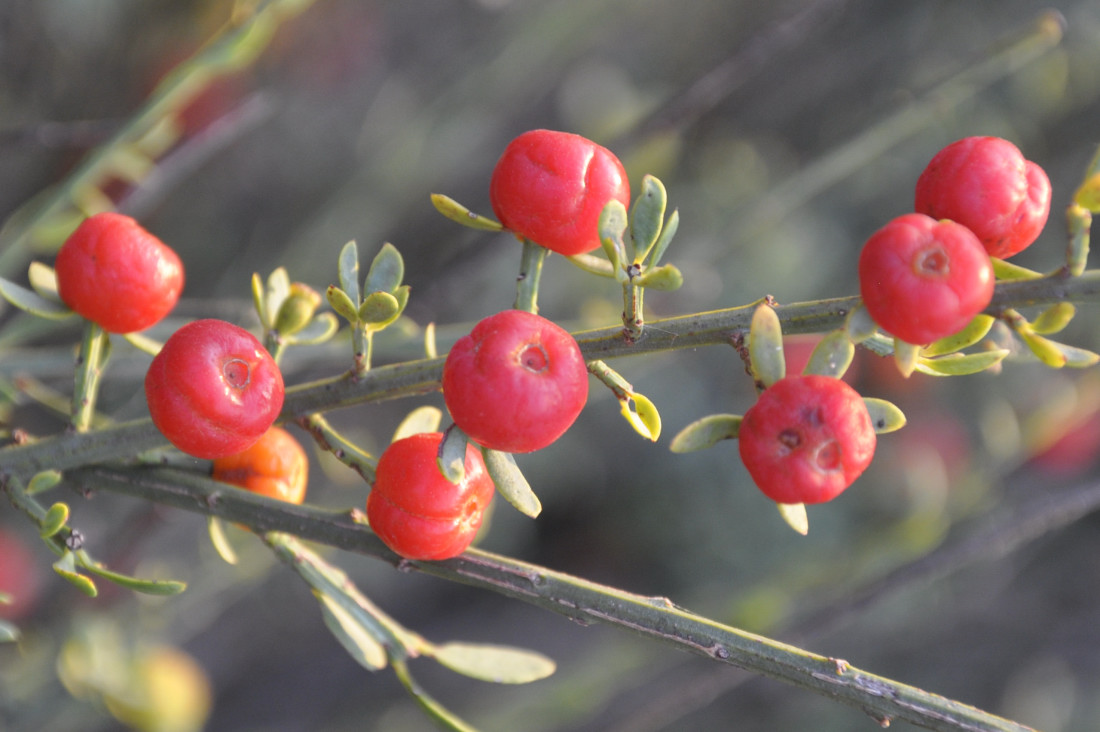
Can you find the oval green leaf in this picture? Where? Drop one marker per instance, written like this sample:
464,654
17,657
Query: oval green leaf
348,272
379,309
510,482
421,419
665,278
497,664
458,213
1044,349
795,516
958,364
320,329
669,231
859,324
43,280
974,331
452,454
1054,319
612,224
33,303
66,567
43,481
276,291
766,346
356,638
593,265
706,432
832,355
54,520
215,527
386,271
886,417
144,586
342,303
642,415
647,216
1006,271
267,320
1079,223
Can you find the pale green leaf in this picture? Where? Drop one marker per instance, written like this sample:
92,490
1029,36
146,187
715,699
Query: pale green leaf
216,529
959,364
1007,271
974,331
706,432
143,343
766,346
33,303
859,324
647,217
348,271
795,516
419,420
906,357
144,586
832,355
386,271
510,482
665,278
43,280
669,231
355,637
1054,319
498,664
66,567
886,417
43,481
451,457
379,309
458,213
342,303
54,520
613,222
320,329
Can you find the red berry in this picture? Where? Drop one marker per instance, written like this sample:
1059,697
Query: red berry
923,279
19,577
213,390
516,383
550,187
806,439
416,511
275,466
117,274
985,184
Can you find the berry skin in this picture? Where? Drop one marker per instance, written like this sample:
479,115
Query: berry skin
118,275
275,466
550,187
806,439
985,184
416,511
213,390
923,279
19,577
516,383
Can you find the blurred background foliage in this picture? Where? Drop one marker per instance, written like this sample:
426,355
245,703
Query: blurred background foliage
785,132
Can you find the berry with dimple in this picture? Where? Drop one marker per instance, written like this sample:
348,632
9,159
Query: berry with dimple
922,279
516,383
213,390
417,511
985,184
275,466
806,439
116,274
550,187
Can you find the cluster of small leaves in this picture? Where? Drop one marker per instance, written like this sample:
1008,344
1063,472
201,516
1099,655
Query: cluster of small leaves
378,304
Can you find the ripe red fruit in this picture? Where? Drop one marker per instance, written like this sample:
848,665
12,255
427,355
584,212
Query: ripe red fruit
118,275
416,511
923,279
213,390
985,184
806,439
549,187
19,577
275,466
516,383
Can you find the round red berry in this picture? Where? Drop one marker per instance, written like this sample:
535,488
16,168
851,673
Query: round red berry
416,511
118,275
985,184
275,466
550,187
806,439
922,279
19,577
213,390
516,383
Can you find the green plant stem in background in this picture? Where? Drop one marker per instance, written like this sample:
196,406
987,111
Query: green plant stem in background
95,349
715,327
530,274
656,618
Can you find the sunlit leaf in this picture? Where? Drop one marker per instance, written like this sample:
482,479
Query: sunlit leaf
43,481
1046,350
832,355
1054,319
43,280
642,415
613,222
458,213
706,432
275,293
766,346
510,482
216,528
1079,223
958,364
66,567
667,233
647,217
452,454
974,331
143,343
886,417
348,271
859,324
419,420
33,303
356,638
387,270
498,664
342,303
794,514
55,519
379,309
1007,271
906,357
664,278
144,586
320,329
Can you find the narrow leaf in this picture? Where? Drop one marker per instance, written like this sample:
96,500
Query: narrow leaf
144,586
974,331
43,280
348,271
421,419
706,432
794,514
647,217
54,520
1007,271
497,664
1044,349
612,225
885,416
832,355
667,233
593,264
356,638
66,567
216,528
276,291
959,364
642,415
320,329
1077,358
665,278
342,303
267,320
510,482
143,343
33,303
458,213
766,346
452,454
386,271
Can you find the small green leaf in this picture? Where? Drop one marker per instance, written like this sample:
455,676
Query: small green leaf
54,520
1006,271
510,482
832,355
66,567
342,303
766,346
1054,319
859,324
421,419
452,454
593,265
320,329
348,271
647,217
379,309
885,416
144,586
642,415
386,271
906,356
1079,222
974,331
43,280
794,514
706,432
665,278
458,213
1073,357
356,638
8,632
143,343
267,320
959,364
613,221
33,303
497,664
43,481
276,291
669,231
216,528
1044,349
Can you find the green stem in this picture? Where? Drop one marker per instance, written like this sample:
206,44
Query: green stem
530,274
346,451
94,351
633,318
422,376
587,602
362,338
612,379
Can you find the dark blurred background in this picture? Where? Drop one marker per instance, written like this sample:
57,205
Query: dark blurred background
785,133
